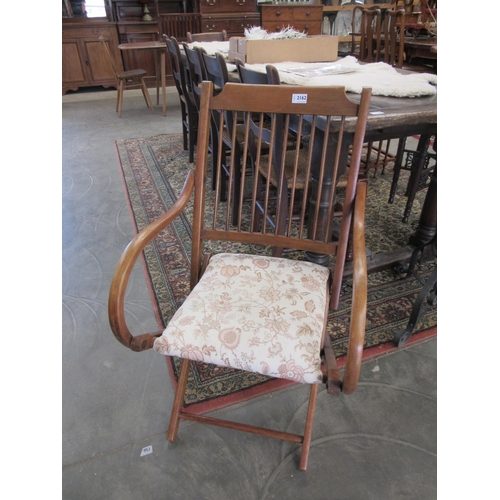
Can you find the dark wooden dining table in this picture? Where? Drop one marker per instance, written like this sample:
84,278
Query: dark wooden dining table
395,118
392,118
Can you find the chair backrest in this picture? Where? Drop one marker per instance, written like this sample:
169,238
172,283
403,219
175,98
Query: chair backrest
250,76
179,24
195,72
370,30
178,67
337,124
380,35
216,70
393,30
209,36
109,56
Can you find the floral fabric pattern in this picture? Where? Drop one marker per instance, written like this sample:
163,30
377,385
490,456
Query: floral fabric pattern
254,313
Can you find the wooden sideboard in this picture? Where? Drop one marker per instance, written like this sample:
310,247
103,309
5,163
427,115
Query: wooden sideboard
303,17
84,61
230,15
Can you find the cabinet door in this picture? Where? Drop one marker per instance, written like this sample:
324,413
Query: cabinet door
99,68
73,65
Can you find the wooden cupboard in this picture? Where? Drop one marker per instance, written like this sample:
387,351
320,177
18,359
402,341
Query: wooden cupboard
84,62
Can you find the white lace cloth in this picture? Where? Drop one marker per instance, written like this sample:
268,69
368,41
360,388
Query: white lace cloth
383,79
254,313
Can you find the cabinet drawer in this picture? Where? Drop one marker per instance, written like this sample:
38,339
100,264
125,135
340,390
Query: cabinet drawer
309,27
228,6
95,31
283,14
234,24
311,12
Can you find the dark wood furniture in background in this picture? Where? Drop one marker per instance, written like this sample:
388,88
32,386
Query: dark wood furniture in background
230,15
302,17
84,62
180,24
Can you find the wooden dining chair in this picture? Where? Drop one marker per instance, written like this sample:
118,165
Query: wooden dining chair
215,69
392,41
131,79
248,310
209,36
197,73
189,111
380,42
368,49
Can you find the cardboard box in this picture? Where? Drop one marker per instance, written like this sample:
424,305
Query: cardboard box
320,48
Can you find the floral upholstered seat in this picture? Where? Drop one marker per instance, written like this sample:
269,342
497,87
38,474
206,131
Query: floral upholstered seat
254,313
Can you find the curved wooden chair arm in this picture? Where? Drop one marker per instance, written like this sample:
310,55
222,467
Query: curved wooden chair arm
116,300
359,293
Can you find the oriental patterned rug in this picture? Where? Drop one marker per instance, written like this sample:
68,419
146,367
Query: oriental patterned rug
154,170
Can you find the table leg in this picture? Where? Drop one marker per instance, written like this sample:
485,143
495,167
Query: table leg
157,66
427,225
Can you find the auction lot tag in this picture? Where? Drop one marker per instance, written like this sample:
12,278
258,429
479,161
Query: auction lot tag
147,450
299,98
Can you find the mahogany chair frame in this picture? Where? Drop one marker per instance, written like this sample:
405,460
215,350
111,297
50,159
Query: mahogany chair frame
211,224
131,79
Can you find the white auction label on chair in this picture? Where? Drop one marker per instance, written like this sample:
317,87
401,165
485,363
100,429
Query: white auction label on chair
299,98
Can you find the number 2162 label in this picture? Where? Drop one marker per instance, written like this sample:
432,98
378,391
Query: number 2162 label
299,98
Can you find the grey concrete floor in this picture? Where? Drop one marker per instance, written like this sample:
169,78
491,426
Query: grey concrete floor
379,443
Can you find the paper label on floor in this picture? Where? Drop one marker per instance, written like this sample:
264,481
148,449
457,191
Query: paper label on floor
146,451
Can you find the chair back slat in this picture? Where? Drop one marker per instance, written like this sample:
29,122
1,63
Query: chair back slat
179,24
327,123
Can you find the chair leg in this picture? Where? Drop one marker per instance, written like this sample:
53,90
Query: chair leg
178,400
145,93
306,444
119,102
